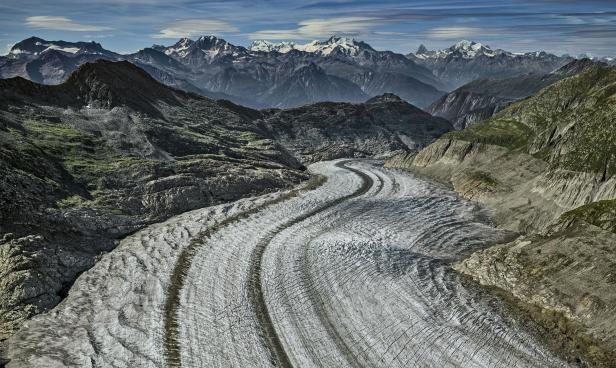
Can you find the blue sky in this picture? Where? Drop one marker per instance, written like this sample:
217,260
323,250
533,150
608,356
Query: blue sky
566,26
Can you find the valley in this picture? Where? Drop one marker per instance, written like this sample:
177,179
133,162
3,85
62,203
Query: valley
351,273
297,203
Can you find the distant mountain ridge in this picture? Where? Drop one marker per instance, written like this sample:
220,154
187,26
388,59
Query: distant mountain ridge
467,61
343,69
482,98
259,76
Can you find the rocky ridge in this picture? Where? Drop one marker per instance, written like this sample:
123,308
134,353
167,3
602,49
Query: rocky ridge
377,128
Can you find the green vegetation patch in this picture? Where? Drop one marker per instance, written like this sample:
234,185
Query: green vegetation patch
85,156
601,214
483,177
501,132
570,124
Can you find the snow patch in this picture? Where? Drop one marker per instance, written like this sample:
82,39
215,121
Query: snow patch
70,50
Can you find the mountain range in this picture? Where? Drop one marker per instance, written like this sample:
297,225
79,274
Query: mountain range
281,75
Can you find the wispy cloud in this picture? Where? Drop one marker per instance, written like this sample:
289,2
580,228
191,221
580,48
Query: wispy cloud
315,28
452,32
195,27
7,48
61,24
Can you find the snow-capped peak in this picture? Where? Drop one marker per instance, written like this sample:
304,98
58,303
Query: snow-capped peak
208,48
466,49
470,49
267,46
35,46
181,48
345,45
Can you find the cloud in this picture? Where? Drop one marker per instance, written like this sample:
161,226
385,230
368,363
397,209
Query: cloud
7,49
452,32
316,28
195,27
61,24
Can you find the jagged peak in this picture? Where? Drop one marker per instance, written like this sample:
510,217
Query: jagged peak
32,39
208,43
422,49
184,41
210,40
341,40
215,43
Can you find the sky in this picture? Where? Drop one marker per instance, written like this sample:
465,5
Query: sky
559,26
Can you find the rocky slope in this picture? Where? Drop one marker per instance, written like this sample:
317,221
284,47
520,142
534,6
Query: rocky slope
111,150
107,152
467,61
481,99
546,168
378,127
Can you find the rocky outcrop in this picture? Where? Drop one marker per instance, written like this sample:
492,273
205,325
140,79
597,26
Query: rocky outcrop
539,269
465,108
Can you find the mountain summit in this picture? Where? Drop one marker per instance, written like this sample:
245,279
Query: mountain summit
34,46
465,49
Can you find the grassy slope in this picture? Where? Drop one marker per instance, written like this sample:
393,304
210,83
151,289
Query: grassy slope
569,124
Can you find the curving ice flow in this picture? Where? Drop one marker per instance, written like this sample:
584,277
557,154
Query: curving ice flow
352,274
